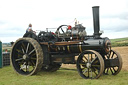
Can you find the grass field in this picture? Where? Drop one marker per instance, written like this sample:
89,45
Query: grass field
60,77
119,42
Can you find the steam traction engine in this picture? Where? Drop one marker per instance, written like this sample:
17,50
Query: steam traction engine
47,51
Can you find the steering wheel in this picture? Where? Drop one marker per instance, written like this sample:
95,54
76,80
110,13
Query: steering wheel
63,32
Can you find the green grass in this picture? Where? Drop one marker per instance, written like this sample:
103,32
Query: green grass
119,39
119,42
60,77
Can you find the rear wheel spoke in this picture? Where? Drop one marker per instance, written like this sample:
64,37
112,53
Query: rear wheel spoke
22,50
31,52
33,63
26,66
33,58
19,51
27,48
19,59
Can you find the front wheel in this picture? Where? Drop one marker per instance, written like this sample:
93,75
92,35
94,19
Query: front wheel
90,64
114,70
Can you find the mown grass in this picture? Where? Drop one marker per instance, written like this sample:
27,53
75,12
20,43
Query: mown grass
60,77
119,42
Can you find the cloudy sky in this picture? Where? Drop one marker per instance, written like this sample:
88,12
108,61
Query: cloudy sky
15,15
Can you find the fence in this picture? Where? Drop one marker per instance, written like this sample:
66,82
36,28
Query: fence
0,54
6,58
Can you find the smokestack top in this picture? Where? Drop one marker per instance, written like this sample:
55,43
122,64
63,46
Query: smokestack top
95,6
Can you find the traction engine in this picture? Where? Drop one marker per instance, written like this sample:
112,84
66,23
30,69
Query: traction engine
47,51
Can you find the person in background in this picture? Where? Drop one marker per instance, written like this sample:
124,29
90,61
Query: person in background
29,28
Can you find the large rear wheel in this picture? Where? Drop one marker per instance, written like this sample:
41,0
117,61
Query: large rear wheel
26,56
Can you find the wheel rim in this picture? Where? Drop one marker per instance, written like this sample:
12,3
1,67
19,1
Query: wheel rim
90,64
25,56
113,70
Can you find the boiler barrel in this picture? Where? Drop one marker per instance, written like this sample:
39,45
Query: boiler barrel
101,45
90,44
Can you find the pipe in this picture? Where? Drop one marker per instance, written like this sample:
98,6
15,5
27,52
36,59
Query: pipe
96,21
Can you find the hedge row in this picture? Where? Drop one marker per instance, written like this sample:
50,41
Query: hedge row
119,44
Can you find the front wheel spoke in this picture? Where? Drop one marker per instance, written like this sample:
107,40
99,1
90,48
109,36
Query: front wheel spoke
85,58
85,70
88,58
88,72
95,71
82,64
107,70
111,70
91,57
91,73
112,55
108,56
114,69
94,59
96,65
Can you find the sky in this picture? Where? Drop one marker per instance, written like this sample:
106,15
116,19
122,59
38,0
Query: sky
16,15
